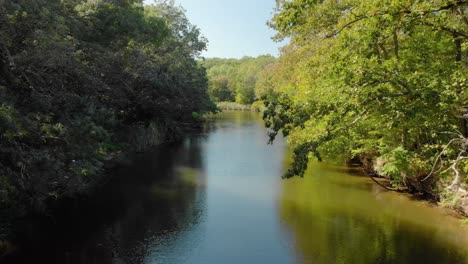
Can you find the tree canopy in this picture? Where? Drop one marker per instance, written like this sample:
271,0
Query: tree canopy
77,76
384,82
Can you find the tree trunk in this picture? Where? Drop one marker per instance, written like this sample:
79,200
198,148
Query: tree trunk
395,43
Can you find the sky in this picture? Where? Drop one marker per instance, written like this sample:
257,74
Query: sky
234,28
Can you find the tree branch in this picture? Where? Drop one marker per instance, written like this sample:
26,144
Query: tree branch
438,157
358,18
408,90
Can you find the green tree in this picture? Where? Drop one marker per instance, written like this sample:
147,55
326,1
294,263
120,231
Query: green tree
375,81
78,78
219,89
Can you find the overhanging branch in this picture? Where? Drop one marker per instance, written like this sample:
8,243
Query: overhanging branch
449,6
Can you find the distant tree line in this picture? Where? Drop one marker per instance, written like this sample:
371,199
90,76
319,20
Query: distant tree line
235,80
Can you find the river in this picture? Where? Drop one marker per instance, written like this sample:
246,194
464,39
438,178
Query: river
218,197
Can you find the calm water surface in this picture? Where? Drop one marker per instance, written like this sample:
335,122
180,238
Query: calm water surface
218,197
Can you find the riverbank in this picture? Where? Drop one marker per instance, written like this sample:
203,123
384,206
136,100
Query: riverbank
233,106
431,192
256,106
137,139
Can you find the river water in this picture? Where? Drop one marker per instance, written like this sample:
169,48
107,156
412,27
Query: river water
218,197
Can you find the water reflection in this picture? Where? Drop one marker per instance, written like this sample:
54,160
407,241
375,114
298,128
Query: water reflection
218,197
242,180
333,217
209,199
156,196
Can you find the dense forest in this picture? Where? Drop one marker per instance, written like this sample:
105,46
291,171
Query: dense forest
383,83
83,80
236,80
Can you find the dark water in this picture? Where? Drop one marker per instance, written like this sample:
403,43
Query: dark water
217,197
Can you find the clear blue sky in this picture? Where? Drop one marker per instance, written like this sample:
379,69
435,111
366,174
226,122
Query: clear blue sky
234,28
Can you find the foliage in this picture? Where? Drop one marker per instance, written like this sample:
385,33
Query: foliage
370,79
236,79
77,76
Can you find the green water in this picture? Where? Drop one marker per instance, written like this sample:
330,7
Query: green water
334,215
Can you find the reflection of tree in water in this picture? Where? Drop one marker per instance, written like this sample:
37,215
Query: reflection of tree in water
120,222
331,222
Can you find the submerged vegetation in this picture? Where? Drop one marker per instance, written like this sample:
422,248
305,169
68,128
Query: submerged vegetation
384,83
81,80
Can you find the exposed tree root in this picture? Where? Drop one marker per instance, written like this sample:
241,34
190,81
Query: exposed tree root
456,185
383,186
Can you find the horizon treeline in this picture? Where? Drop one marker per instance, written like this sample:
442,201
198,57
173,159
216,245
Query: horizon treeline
236,80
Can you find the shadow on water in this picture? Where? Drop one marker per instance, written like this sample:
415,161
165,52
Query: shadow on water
217,197
157,194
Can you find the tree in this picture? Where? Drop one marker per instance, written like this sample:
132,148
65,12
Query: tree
78,79
376,81
219,90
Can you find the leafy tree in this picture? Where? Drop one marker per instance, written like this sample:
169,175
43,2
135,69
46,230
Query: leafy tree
79,78
382,81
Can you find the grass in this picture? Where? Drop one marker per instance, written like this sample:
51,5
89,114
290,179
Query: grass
232,106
